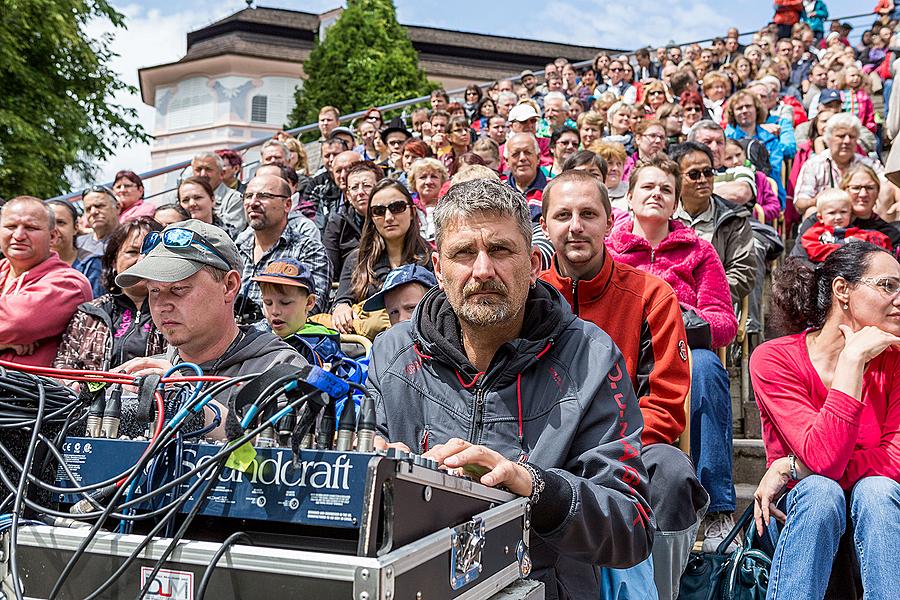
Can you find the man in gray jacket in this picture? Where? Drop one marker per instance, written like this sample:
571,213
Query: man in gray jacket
192,271
495,371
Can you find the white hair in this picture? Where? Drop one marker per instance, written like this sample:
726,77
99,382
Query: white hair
841,120
537,146
557,96
204,155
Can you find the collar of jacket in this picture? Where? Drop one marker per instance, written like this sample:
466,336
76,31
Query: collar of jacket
623,240
437,336
589,290
725,210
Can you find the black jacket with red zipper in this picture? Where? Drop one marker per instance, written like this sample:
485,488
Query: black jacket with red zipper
559,395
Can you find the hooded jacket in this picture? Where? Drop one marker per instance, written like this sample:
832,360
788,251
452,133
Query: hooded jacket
559,395
341,237
641,314
687,263
38,307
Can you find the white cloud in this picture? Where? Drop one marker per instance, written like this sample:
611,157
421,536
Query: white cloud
629,24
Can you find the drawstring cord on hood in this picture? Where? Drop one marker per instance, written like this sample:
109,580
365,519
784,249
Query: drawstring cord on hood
469,385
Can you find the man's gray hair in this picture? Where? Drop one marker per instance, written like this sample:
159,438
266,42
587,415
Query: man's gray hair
204,155
285,151
479,196
507,95
51,217
537,145
703,125
842,120
557,96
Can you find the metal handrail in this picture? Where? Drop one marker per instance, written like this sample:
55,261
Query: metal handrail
385,108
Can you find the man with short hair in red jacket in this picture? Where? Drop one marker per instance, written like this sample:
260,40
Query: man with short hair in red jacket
641,314
39,293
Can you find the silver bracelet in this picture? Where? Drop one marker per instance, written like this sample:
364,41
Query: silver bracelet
793,467
537,482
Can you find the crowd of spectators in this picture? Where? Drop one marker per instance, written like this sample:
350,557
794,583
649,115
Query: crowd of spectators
660,188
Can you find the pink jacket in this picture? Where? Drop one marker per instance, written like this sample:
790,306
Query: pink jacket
688,264
767,198
38,308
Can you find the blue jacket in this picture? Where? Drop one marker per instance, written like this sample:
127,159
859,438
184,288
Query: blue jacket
773,146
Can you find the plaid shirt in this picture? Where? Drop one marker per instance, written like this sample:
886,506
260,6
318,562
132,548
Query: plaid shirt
820,173
300,240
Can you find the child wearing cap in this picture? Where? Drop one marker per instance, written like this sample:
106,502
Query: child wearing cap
288,294
833,213
403,288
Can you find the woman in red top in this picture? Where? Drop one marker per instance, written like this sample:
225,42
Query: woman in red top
829,399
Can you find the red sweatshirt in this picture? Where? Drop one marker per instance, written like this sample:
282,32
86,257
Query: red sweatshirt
38,307
641,314
832,433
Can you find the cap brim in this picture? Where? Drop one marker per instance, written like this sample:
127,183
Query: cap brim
167,269
280,281
375,301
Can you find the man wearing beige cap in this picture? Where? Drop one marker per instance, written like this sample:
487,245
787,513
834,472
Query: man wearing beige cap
193,274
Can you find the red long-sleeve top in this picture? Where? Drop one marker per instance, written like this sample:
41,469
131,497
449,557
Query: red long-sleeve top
832,433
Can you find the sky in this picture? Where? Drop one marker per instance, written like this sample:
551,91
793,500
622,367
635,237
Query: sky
156,30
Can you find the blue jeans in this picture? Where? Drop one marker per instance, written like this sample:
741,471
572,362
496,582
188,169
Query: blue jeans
711,432
816,512
634,583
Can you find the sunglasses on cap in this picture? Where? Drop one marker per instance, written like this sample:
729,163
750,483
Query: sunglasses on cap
696,174
397,208
99,189
179,238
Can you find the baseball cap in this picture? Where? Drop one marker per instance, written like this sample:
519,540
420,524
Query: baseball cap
526,73
287,271
181,250
523,112
397,277
339,130
828,95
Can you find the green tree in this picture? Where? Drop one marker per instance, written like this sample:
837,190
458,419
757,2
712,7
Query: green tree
57,116
366,59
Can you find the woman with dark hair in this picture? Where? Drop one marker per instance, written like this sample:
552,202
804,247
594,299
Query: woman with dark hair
167,214
196,197
486,109
116,327
694,110
672,117
473,97
129,189
459,140
829,401
64,245
390,238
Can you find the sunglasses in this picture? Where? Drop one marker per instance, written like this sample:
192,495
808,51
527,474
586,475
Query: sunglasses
99,189
179,238
656,93
397,208
615,69
695,175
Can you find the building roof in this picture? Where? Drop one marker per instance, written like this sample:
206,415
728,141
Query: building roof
267,31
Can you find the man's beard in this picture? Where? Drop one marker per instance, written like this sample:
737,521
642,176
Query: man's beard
487,310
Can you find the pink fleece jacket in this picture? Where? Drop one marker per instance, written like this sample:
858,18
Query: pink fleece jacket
687,263
38,307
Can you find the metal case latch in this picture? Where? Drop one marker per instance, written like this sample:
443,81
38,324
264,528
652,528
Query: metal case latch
466,544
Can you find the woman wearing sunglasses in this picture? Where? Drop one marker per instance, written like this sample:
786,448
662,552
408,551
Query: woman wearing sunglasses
390,238
829,401
657,243
116,327
655,94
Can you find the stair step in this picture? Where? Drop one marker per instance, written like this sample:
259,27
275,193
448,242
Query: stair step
749,461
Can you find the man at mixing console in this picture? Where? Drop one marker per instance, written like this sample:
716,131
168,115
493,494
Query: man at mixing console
495,373
193,271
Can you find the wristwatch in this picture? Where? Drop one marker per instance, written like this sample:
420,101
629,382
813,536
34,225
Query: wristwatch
793,467
537,482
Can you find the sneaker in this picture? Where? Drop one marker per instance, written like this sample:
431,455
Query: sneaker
716,527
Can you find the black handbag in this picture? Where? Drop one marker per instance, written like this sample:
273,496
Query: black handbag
699,336
741,575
